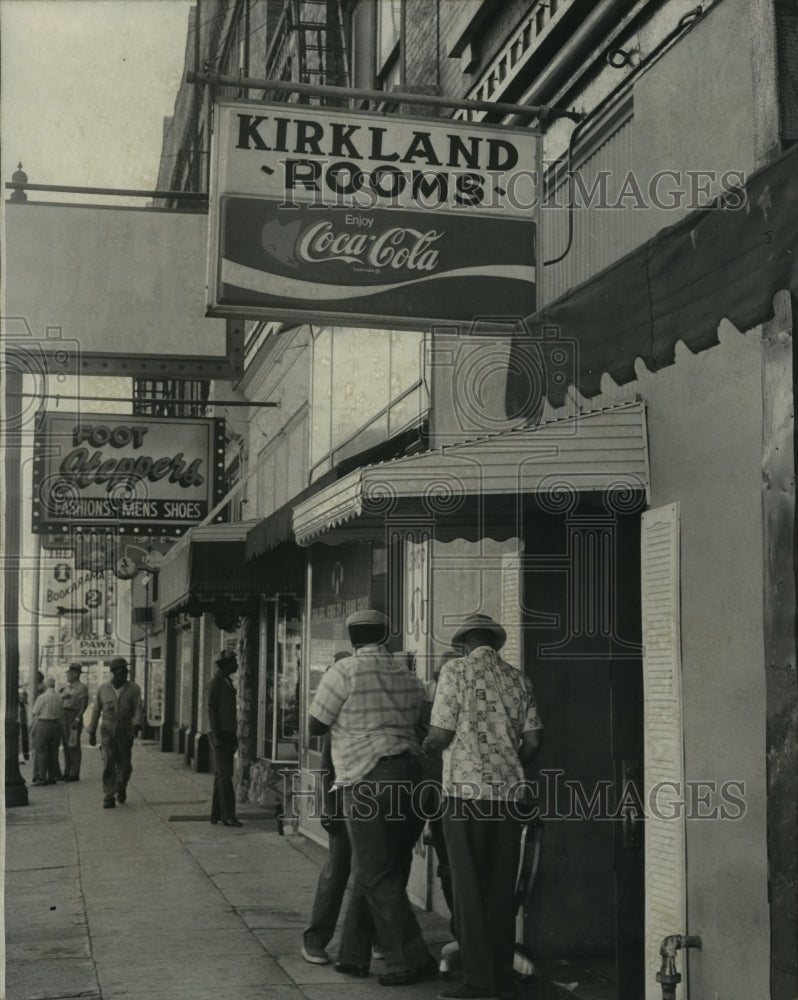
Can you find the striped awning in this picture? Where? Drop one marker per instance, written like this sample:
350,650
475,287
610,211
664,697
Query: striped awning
206,570
596,452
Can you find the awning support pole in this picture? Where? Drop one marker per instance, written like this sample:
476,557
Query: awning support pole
380,96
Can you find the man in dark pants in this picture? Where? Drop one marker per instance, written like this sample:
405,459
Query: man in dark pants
224,738
75,700
372,706
117,709
485,719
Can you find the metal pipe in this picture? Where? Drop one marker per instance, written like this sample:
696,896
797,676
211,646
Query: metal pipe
668,977
141,399
381,96
127,192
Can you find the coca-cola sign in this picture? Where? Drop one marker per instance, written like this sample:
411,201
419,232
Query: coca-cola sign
328,215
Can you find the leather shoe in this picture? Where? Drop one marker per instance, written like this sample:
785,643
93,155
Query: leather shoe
359,971
214,820
232,822
426,971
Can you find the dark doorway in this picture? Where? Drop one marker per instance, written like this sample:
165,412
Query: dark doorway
582,628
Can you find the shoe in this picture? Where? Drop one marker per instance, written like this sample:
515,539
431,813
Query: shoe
377,952
121,796
54,781
72,777
463,992
39,782
427,971
232,822
214,820
316,956
108,803
359,971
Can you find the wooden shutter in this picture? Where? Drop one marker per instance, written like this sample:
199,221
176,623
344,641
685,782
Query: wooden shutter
665,881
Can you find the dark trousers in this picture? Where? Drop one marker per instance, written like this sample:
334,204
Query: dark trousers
48,738
382,830
223,804
117,753
483,843
72,754
330,888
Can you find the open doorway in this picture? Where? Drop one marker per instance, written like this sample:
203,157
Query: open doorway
582,627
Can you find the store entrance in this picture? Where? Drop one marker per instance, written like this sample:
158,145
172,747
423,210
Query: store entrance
584,919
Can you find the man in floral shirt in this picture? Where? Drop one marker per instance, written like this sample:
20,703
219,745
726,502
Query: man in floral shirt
485,719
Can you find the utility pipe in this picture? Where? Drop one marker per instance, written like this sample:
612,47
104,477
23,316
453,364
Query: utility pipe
667,976
382,96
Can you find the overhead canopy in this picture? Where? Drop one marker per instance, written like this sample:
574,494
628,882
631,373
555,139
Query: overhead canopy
601,451
727,261
207,571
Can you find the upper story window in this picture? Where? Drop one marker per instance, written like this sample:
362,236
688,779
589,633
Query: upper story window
375,34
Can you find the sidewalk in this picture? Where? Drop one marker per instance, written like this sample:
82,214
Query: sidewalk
148,901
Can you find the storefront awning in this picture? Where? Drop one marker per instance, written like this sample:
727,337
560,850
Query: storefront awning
727,261
207,571
604,450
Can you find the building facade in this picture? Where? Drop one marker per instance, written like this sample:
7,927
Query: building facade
612,476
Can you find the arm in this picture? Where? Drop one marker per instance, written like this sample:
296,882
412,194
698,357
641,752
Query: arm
315,727
437,739
82,705
530,744
95,718
137,710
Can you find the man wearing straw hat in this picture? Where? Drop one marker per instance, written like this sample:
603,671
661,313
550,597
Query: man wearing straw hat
485,720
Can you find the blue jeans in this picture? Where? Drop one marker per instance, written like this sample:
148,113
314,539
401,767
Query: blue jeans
382,831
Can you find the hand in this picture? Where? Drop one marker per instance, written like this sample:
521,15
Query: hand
92,739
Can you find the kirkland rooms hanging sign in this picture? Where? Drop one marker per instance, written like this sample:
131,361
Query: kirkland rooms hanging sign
134,474
326,214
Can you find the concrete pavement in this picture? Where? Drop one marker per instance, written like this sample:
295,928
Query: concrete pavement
148,901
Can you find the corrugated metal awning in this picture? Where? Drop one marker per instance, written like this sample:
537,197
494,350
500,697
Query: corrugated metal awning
206,571
604,450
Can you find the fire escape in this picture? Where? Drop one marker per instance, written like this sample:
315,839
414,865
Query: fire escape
308,46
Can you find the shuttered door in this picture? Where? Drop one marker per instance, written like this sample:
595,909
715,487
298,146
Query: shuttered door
665,888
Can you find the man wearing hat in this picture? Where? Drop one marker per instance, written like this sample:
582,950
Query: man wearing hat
485,720
75,701
224,738
371,704
117,710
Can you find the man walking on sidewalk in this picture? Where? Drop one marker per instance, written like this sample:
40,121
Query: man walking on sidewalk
75,701
224,738
117,708
371,704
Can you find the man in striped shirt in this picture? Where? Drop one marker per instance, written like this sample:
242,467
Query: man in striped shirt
371,705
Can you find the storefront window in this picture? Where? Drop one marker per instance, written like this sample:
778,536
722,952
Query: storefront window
346,578
279,688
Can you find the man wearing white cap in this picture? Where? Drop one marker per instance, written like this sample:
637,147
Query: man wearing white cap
371,705
485,719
